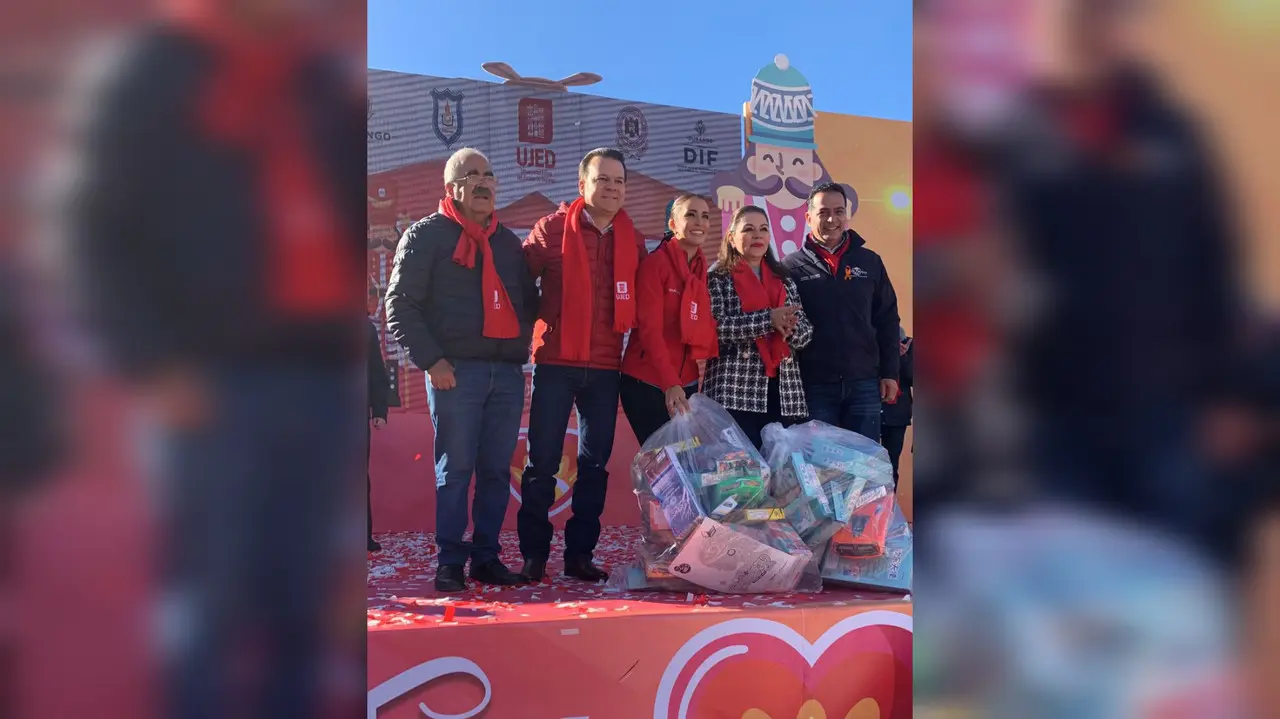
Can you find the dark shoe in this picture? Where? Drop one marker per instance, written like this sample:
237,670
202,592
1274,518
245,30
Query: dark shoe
495,572
374,546
449,578
582,568
534,570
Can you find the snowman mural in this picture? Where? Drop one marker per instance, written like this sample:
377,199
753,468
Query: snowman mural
780,165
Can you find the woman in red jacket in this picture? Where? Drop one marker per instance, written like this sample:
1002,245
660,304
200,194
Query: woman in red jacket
675,331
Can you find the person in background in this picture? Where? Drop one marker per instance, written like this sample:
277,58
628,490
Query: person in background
760,324
461,302
675,332
586,255
379,392
896,415
218,231
851,366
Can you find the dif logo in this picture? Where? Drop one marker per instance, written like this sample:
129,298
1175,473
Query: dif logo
700,156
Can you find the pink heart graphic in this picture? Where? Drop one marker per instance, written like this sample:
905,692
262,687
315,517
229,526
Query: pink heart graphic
860,667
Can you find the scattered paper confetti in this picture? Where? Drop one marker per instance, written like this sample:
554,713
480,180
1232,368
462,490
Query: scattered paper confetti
401,592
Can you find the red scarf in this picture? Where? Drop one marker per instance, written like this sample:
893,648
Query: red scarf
251,103
697,328
765,292
500,320
831,258
578,295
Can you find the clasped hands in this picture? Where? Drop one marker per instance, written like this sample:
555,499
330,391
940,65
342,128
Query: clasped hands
785,319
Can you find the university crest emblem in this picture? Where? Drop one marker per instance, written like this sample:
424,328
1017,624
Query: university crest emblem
447,115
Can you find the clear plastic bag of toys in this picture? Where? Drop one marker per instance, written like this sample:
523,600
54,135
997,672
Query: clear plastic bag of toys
698,465
833,485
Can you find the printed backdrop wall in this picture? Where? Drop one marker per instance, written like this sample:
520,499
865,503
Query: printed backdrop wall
535,140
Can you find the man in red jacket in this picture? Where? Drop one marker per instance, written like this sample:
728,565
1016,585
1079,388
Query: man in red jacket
585,255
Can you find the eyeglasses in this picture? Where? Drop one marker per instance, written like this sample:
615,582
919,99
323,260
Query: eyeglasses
475,178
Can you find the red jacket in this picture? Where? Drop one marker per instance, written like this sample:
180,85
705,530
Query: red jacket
656,354
543,249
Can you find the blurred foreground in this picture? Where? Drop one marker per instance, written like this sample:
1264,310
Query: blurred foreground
1095,498
1099,276
181,374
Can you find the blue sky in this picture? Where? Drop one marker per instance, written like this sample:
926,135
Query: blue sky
856,54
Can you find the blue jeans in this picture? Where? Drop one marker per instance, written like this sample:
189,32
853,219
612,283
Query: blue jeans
477,424
254,499
852,404
556,390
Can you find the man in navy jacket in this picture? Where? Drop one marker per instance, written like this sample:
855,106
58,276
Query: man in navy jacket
851,366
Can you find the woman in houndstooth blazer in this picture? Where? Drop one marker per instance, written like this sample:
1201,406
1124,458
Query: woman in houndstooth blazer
760,325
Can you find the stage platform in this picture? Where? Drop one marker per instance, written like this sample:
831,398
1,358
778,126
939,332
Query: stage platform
568,649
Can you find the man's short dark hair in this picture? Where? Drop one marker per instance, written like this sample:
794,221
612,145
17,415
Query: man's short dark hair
827,187
608,152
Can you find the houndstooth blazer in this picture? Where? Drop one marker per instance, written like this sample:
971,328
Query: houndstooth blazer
736,378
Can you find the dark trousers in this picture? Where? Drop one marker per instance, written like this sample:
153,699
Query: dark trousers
892,437
852,404
646,406
753,423
368,451
1143,466
254,498
477,425
557,390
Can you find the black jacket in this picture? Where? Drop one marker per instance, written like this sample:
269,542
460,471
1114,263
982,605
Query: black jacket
898,414
435,307
1135,257
33,410
167,227
379,380
854,315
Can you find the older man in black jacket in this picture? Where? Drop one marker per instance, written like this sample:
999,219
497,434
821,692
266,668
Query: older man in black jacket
462,303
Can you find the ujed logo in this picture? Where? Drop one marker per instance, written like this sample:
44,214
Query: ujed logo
536,125
537,120
622,291
633,131
447,115
536,164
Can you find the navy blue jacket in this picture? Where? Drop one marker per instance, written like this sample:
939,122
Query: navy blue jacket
854,315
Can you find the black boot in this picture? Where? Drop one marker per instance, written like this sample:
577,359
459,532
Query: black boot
582,568
495,572
373,544
449,578
534,570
